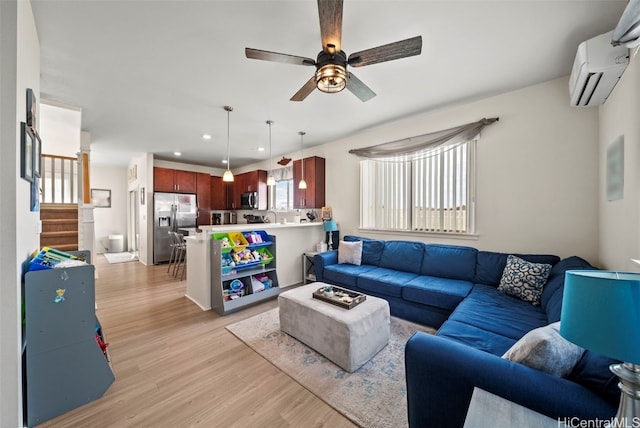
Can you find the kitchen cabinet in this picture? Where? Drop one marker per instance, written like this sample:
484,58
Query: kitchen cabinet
314,174
174,180
252,181
219,190
203,196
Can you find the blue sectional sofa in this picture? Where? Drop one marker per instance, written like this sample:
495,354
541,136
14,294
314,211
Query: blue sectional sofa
455,289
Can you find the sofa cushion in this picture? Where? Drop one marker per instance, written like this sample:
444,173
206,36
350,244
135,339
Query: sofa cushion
402,256
544,349
487,308
371,249
385,281
552,285
449,261
553,308
524,279
570,263
440,292
350,252
476,337
344,274
592,371
490,265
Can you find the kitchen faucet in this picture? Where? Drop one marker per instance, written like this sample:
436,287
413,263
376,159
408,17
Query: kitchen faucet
275,216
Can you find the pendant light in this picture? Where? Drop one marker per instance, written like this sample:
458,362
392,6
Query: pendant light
228,176
302,184
271,181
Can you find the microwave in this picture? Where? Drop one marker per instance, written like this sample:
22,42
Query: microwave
249,200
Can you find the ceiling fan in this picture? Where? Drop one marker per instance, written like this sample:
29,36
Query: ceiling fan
331,64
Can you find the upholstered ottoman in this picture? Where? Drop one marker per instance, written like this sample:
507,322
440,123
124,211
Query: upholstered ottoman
348,337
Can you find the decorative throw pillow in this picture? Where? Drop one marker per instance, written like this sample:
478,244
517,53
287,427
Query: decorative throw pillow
544,349
524,279
350,252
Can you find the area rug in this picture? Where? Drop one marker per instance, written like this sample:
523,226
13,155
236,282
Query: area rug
372,396
120,257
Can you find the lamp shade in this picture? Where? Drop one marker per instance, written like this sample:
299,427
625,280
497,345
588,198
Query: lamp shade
601,312
330,226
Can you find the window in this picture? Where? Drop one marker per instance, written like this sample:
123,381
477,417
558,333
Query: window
281,198
428,194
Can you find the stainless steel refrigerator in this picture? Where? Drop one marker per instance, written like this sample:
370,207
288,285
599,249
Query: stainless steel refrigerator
171,211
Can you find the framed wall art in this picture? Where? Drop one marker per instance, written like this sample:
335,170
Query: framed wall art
26,152
615,169
31,109
35,194
101,198
37,155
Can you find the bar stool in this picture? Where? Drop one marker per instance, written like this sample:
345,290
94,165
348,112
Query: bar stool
174,250
181,256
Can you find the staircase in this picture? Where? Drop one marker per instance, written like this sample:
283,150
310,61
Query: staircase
59,226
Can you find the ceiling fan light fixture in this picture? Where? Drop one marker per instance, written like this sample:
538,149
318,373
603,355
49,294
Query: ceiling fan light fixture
331,78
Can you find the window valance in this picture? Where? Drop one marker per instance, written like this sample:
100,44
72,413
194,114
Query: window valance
284,173
425,145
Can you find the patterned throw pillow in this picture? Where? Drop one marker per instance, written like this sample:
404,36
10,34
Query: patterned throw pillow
544,349
524,279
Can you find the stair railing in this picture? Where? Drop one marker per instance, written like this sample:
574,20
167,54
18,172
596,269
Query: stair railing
59,180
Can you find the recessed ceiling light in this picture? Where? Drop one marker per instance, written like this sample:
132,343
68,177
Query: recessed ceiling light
177,153
206,136
224,161
261,149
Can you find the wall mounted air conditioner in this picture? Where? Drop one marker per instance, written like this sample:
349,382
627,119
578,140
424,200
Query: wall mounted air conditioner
596,70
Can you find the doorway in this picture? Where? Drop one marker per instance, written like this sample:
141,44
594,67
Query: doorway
133,225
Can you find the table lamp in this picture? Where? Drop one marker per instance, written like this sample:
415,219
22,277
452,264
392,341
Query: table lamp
601,313
330,226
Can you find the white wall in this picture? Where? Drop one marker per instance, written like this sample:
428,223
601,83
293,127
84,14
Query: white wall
537,174
619,225
113,220
19,70
60,128
142,182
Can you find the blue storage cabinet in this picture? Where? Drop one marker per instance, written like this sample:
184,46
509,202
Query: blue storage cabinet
64,366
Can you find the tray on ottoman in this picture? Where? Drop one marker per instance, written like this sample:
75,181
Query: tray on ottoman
341,297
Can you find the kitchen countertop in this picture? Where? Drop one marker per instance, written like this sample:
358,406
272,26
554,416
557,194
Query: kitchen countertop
257,226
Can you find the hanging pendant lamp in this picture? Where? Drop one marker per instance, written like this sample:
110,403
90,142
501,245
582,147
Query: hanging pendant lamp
271,181
302,184
228,176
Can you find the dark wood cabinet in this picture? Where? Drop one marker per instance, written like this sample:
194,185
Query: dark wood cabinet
164,179
219,190
252,181
186,181
314,174
173,180
203,195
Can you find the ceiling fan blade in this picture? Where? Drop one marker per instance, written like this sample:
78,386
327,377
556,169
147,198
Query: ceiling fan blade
305,90
330,12
277,57
358,88
396,50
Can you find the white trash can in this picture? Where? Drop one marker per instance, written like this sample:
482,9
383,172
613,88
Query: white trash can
116,244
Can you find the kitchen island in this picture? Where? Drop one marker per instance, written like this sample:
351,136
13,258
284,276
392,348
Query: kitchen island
292,240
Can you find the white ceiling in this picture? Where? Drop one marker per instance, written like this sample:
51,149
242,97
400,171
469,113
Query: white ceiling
153,76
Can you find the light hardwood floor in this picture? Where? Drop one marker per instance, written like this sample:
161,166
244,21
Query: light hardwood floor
177,366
